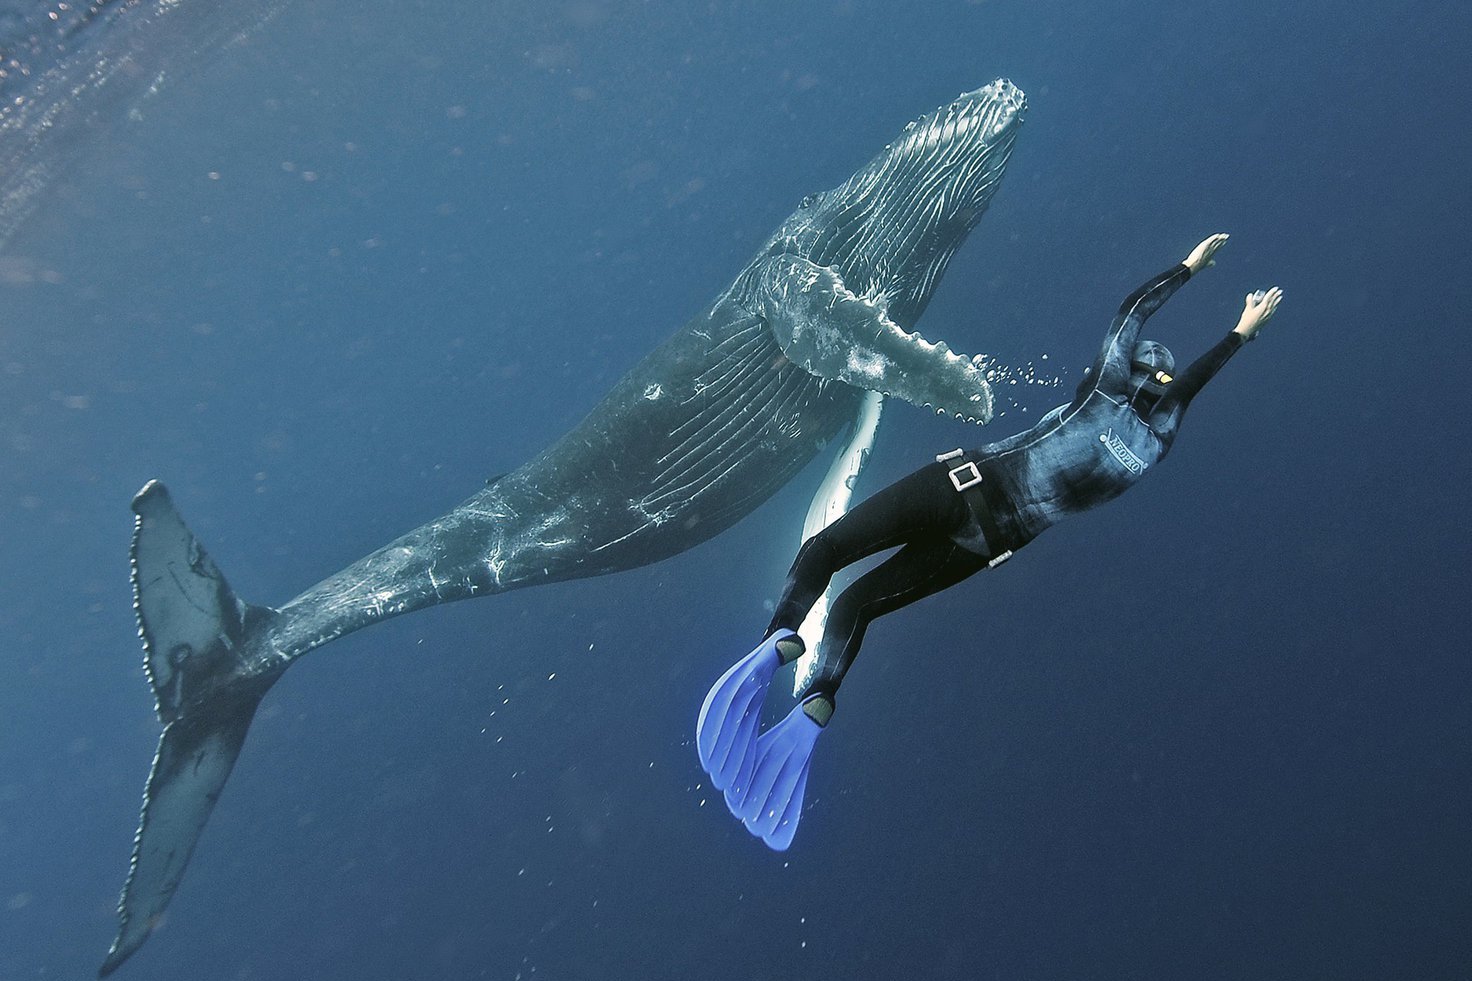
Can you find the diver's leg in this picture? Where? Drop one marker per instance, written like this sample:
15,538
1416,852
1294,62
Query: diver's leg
914,572
766,790
763,777
923,505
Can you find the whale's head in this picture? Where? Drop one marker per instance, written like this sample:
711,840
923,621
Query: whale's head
891,228
850,272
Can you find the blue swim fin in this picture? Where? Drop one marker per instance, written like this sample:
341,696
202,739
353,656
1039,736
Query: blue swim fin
725,732
771,803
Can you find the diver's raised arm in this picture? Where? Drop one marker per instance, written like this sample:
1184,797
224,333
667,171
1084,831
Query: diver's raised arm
1256,311
1111,370
1201,256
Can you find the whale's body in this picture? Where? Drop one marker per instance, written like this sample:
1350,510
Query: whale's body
693,438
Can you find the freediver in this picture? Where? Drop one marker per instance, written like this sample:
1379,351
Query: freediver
967,511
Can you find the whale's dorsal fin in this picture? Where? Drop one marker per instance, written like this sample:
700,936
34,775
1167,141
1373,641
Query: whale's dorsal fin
838,335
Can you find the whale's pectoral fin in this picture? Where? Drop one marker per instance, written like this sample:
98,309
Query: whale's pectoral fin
829,504
193,630
838,335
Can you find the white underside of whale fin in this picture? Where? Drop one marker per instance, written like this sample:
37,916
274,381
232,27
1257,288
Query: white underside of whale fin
830,503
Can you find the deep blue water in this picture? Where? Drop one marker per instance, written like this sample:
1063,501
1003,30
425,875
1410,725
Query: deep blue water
333,276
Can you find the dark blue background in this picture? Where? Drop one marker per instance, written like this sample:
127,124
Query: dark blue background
1218,729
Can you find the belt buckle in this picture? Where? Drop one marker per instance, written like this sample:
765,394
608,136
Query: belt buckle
972,476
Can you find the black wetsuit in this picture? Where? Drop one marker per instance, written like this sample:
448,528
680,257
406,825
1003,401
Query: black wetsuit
1077,456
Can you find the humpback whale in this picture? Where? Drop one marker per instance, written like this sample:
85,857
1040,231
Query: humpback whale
811,333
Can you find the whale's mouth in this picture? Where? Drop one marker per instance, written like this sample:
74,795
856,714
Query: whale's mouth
864,258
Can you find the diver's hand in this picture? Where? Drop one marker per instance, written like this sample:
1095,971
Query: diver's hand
1200,256
1257,310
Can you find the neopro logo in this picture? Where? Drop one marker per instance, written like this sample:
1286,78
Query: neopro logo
1122,453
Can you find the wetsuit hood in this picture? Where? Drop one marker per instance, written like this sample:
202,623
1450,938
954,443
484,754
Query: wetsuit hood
1152,368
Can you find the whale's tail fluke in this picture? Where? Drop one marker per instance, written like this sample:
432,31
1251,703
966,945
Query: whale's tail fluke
196,636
